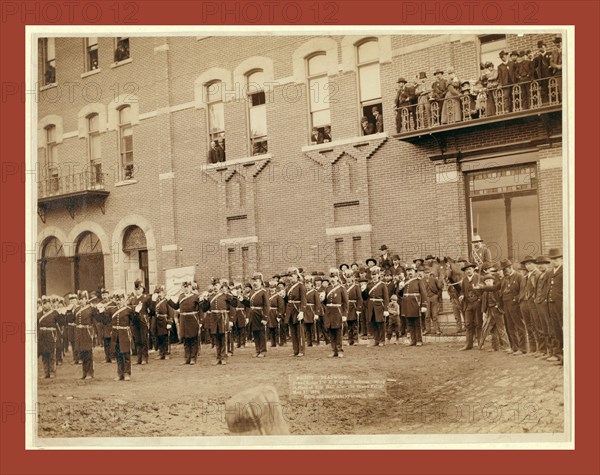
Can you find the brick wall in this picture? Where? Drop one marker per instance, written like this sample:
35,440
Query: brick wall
291,198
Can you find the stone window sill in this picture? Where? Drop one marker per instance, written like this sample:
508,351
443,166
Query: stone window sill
126,182
348,141
121,63
90,73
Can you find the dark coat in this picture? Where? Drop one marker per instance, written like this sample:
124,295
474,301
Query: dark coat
336,306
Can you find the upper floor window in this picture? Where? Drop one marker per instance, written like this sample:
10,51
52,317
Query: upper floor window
216,121
367,54
490,47
91,53
52,157
49,60
126,143
257,111
122,49
94,148
318,91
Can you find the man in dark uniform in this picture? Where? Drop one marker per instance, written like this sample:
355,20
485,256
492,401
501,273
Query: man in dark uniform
239,320
121,339
433,288
312,309
284,330
321,332
85,316
510,290
141,300
163,321
188,305
471,297
276,313
377,299
61,326
220,304
257,301
555,303
47,321
336,311
71,309
355,304
295,307
413,296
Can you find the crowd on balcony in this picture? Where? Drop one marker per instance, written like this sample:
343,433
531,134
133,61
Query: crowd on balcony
523,80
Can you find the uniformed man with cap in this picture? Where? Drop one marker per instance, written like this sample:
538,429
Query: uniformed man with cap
284,331
163,318
47,321
257,301
295,299
239,320
510,290
121,340
321,332
220,304
491,306
433,288
355,304
555,303
481,253
311,315
141,301
377,299
58,304
413,296
109,306
188,304
472,298
336,312
85,316
276,312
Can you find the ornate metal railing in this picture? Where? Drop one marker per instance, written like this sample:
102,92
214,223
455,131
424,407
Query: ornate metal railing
427,113
68,184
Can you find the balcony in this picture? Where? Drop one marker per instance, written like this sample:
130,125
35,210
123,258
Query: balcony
473,107
71,191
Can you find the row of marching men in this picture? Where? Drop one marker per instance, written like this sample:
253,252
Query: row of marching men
309,307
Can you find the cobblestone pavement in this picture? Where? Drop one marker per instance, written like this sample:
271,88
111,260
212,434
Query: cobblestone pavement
413,390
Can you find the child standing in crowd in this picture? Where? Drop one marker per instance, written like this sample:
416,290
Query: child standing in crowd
393,325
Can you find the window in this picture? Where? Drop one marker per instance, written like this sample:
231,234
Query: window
318,92
94,149
52,158
490,47
257,111
122,49
48,61
216,121
126,143
91,53
370,86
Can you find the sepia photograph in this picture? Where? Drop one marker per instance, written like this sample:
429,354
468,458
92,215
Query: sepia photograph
331,236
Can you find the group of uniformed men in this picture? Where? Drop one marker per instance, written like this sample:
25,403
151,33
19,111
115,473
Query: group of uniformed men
384,298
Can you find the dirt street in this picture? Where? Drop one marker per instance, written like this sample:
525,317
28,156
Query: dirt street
395,389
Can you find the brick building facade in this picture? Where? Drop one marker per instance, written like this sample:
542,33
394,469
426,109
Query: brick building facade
126,189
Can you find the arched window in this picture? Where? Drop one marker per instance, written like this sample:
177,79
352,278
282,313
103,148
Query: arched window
367,56
126,143
94,148
318,92
216,121
257,111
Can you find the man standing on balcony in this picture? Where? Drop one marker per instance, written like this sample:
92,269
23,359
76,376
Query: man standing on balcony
556,66
504,83
438,92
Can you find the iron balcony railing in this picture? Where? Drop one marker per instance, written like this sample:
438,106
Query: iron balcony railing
57,186
472,105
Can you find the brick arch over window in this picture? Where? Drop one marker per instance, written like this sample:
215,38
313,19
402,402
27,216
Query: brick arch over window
212,75
89,226
85,112
254,63
328,45
53,232
349,44
44,122
117,239
118,103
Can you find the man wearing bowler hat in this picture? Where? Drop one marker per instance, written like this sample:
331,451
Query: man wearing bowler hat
405,95
438,92
471,297
385,261
555,302
530,314
510,290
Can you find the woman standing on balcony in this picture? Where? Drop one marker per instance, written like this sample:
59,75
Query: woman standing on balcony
489,78
451,111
